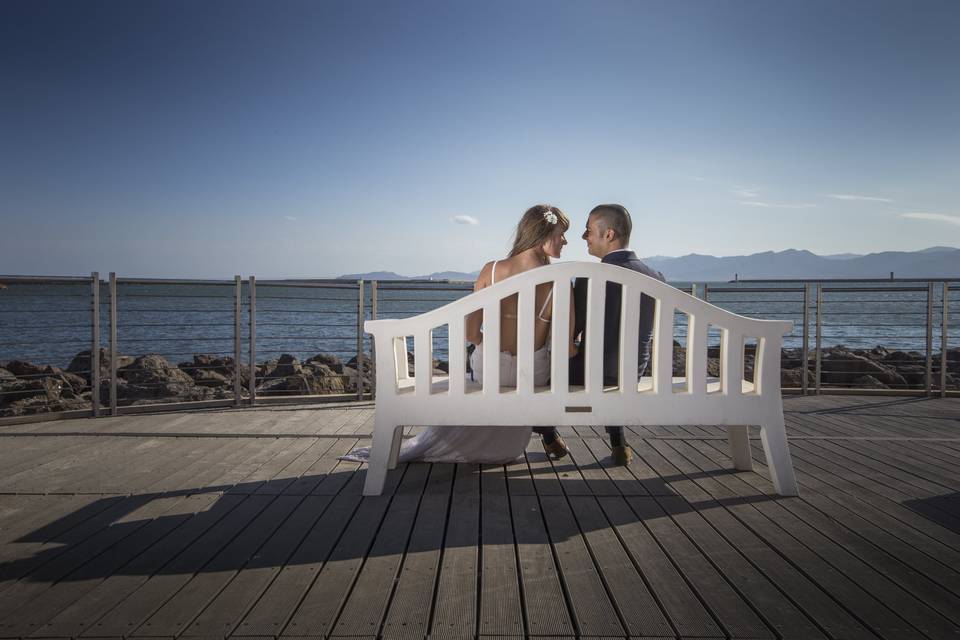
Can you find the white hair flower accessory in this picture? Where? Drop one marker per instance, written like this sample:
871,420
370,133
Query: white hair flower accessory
550,216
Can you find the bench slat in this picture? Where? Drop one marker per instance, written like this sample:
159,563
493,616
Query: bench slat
400,358
422,362
596,295
629,338
766,366
525,337
560,337
731,368
663,351
491,348
456,355
697,355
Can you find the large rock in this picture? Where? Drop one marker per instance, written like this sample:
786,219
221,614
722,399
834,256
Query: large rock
152,376
211,378
284,366
300,385
71,385
23,369
841,366
40,404
868,382
286,376
12,391
331,361
368,361
326,379
81,365
213,371
793,378
129,393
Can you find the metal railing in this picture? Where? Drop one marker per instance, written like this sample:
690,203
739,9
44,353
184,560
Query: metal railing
173,343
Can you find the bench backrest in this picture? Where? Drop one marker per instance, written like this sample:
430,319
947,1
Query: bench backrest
391,350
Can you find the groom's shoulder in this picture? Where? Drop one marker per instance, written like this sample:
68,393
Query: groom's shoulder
636,264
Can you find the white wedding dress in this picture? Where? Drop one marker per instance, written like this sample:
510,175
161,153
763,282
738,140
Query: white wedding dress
487,445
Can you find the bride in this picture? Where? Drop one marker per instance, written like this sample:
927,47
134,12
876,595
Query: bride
539,237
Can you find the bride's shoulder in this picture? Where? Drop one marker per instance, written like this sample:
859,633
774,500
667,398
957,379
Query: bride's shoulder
485,277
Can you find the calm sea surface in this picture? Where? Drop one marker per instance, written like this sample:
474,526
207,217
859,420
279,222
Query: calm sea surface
49,324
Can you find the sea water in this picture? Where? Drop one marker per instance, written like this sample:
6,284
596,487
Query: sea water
51,323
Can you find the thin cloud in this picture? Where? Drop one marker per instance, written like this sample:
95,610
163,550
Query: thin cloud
934,217
464,219
746,192
775,205
290,218
854,198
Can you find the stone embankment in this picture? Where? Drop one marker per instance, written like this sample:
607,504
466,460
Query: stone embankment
27,388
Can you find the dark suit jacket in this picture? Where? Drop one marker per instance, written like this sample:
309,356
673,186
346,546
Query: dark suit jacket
611,320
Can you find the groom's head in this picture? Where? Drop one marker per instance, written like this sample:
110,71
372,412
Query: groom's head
608,229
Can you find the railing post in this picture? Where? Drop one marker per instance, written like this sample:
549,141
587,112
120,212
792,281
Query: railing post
929,376
95,345
373,346
943,339
819,338
706,291
806,337
693,289
113,343
237,310
360,314
253,341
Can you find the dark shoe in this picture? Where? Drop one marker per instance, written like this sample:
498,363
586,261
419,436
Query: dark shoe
622,456
556,449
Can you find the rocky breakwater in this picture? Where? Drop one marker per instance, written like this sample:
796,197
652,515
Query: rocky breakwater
27,388
877,368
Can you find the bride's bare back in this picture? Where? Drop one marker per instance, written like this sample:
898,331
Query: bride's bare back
494,272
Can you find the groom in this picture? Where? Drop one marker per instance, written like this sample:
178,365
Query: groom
608,238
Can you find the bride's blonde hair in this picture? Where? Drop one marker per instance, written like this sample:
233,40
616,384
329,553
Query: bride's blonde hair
536,225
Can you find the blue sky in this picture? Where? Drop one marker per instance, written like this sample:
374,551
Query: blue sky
310,139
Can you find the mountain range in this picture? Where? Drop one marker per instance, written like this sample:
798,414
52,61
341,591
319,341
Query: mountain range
792,263
934,262
390,275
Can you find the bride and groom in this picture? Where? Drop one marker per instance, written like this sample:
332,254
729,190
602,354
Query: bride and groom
540,237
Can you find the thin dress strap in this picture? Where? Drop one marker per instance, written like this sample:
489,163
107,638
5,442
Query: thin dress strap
544,307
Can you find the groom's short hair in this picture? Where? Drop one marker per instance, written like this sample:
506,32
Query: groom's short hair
616,217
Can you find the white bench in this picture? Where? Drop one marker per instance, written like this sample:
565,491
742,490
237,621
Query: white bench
657,399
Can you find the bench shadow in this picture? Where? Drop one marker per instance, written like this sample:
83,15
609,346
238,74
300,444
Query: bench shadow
93,541
914,405
943,510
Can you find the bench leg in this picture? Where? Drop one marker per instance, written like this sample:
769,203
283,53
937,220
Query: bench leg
395,447
773,434
383,435
739,436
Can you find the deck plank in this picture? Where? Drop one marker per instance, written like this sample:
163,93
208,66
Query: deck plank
364,611
544,602
500,611
409,611
455,605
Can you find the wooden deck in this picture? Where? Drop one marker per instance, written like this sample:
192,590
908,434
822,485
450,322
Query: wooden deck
244,524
